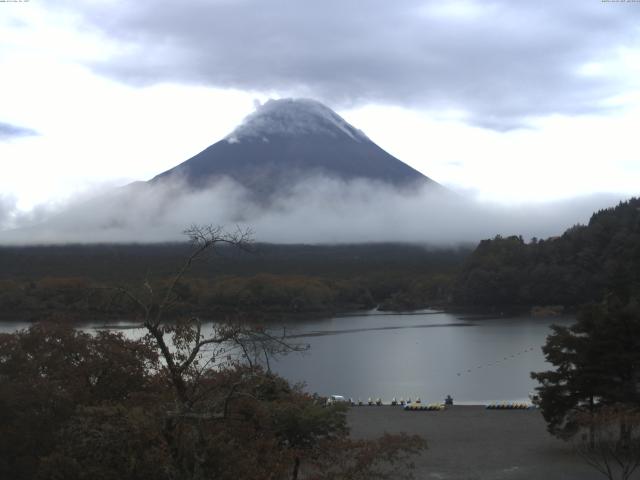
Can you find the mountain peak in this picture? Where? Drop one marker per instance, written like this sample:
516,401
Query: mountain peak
293,117
288,141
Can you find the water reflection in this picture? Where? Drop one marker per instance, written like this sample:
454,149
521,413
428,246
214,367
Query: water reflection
427,354
395,355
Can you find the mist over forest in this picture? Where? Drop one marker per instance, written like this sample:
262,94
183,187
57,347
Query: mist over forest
316,210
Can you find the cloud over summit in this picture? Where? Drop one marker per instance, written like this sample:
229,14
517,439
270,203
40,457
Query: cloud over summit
499,63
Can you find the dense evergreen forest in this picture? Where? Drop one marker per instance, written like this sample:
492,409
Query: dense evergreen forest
76,281
578,267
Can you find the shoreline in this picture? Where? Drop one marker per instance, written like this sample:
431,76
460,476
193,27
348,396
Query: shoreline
462,313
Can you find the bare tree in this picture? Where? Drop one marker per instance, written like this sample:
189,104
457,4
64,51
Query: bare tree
610,441
188,353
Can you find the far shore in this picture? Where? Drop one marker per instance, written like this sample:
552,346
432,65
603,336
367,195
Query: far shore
268,317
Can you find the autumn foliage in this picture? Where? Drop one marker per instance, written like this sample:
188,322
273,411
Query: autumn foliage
81,406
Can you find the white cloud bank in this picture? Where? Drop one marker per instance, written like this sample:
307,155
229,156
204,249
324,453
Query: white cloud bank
319,210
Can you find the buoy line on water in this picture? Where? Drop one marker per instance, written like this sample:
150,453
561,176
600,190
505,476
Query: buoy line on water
497,362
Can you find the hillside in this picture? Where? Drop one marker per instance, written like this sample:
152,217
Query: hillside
578,267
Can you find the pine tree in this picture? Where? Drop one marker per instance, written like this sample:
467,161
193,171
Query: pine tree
597,364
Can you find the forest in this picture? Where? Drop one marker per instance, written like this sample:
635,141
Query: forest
267,281
79,281
578,267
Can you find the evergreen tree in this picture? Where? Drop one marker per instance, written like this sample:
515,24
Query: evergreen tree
597,363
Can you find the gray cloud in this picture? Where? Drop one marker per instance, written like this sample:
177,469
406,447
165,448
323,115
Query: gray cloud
11,217
502,61
319,210
7,209
8,131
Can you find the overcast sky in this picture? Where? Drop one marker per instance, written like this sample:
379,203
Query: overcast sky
509,101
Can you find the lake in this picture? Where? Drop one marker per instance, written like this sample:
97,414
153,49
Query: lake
424,354
427,354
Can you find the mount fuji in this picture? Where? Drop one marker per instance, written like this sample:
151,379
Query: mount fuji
289,140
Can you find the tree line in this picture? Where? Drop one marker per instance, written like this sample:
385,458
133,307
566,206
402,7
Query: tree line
261,295
578,267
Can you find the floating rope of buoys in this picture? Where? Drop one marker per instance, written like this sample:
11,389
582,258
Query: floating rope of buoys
497,362
509,406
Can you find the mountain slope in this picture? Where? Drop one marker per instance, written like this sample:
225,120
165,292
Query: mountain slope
288,140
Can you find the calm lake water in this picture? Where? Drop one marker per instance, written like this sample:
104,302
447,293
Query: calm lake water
425,354
428,355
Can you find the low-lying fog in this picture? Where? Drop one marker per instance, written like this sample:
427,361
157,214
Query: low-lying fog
318,210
